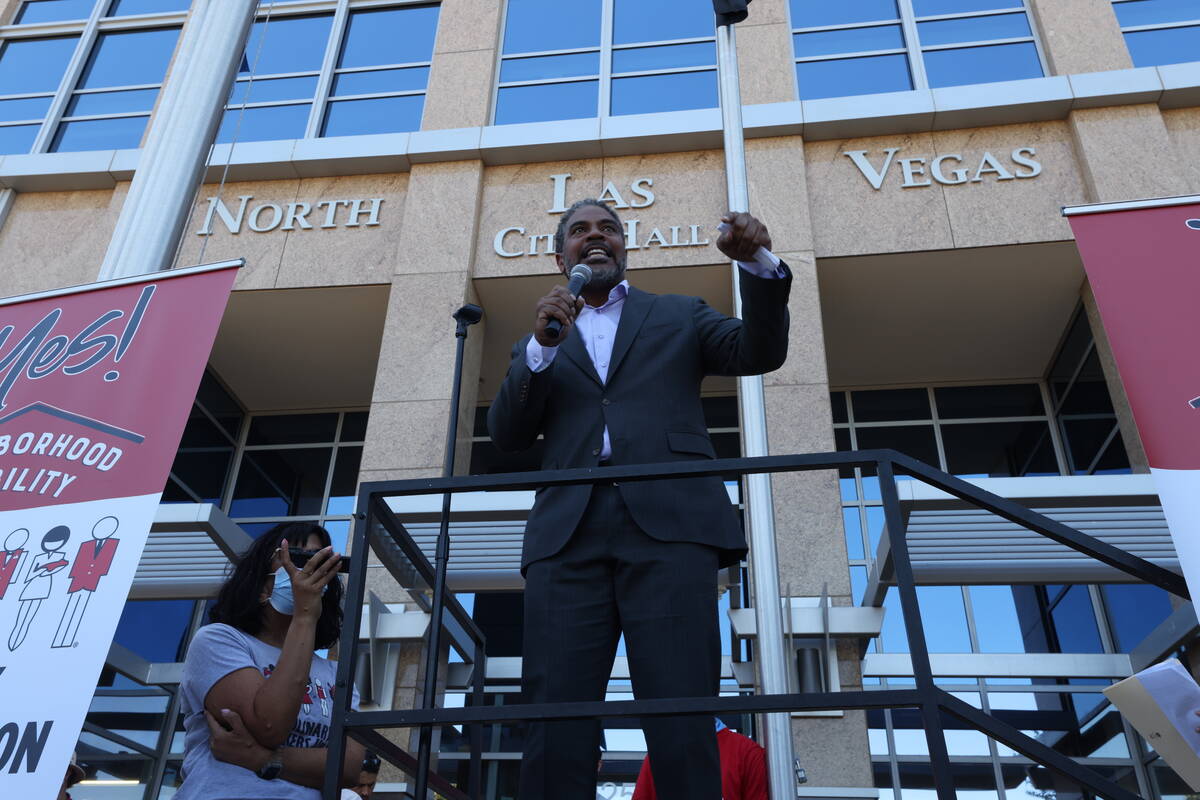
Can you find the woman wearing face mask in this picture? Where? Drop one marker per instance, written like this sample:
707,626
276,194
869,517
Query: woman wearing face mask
256,699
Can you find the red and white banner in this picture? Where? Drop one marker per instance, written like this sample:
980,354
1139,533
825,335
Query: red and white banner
96,384
1143,262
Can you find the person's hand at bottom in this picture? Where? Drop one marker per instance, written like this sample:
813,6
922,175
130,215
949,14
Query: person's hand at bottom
232,743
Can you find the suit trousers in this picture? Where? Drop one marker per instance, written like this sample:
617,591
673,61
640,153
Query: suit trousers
611,577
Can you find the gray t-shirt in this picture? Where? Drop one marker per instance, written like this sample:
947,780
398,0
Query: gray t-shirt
216,651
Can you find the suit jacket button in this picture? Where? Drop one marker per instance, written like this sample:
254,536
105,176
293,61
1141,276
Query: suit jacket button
605,402
596,452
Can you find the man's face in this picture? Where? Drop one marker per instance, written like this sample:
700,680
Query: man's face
366,784
594,238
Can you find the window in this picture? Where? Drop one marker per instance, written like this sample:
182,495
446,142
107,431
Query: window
1160,31
358,69
299,466
1083,409
93,84
878,46
590,58
969,431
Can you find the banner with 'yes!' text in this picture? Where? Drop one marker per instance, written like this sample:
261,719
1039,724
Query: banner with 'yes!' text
96,384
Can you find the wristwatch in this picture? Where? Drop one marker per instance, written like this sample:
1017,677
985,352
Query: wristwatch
270,770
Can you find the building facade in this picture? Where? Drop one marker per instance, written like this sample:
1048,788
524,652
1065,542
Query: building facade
381,162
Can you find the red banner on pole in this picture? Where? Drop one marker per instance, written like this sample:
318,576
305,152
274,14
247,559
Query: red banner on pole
96,384
1143,262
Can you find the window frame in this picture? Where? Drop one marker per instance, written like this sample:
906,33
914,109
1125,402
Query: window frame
913,50
327,73
1158,26
605,76
88,31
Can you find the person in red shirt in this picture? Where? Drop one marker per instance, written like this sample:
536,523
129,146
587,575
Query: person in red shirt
92,562
743,769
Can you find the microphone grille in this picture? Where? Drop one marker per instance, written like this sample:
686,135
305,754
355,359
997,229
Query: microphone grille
582,271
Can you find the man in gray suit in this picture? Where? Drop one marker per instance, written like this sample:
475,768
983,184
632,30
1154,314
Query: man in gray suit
640,557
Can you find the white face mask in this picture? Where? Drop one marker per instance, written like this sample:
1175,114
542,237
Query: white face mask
282,599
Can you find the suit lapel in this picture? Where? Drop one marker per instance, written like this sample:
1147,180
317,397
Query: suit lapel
633,314
575,350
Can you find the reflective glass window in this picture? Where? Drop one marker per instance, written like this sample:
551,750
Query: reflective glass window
286,44
268,90
354,426
34,11
389,36
931,8
281,483
128,58
115,133
997,620
1164,46
381,81
548,101
535,25
849,40
374,115
1134,610
535,68
677,91
17,138
97,103
125,8
973,29
1006,62
819,13
639,59
155,629
942,614
1156,12
27,108
35,65
963,402
275,429
656,20
343,487
887,405
1075,620
999,449
567,40
853,76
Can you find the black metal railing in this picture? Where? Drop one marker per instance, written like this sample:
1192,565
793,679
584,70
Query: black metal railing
377,525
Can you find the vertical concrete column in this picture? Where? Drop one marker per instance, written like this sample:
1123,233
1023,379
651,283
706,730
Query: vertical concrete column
1079,36
810,542
414,379
464,65
765,54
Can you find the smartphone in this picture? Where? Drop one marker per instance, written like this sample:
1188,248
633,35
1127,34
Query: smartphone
301,557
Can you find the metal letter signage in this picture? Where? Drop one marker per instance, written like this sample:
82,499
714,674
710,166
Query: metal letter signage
514,241
96,384
926,170
267,217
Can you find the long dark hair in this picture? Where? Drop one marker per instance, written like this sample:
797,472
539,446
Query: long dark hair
237,603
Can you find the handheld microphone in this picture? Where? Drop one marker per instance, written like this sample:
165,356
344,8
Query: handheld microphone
580,275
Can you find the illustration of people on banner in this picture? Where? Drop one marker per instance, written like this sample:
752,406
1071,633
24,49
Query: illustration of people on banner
12,558
39,581
92,562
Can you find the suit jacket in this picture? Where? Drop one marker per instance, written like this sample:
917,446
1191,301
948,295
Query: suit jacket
90,566
664,347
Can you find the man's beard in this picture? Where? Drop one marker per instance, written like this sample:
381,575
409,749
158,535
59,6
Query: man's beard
607,277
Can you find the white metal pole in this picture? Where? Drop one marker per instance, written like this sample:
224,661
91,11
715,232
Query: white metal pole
760,508
172,163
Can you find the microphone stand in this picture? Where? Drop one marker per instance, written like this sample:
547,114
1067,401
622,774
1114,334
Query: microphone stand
466,316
